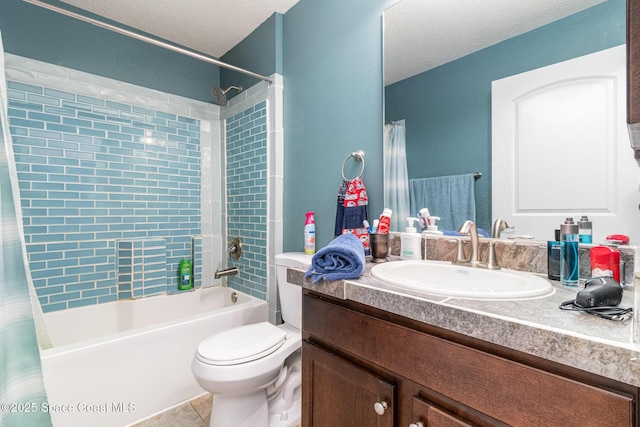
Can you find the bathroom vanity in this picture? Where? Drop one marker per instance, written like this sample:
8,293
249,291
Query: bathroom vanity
376,356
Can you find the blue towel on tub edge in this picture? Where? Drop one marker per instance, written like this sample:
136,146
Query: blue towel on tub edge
343,258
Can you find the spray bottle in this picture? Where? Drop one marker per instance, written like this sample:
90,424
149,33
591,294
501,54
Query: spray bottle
309,235
569,260
585,230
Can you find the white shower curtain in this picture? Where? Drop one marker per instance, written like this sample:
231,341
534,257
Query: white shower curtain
396,179
22,393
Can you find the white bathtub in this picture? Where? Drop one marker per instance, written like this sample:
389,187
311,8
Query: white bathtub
114,364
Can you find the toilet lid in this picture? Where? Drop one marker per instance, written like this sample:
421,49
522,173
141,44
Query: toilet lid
242,344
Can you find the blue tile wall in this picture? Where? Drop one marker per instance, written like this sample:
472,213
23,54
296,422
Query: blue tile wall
125,252
196,256
92,172
246,145
142,268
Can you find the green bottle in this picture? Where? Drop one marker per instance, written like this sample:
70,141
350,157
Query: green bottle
184,281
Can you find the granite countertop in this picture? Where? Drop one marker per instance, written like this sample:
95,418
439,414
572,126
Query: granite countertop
536,326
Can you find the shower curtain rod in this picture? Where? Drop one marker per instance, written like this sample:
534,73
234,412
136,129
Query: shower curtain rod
193,54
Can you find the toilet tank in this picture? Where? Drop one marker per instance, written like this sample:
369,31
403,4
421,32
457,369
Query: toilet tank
290,294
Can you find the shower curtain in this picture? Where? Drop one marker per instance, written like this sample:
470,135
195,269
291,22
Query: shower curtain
22,395
396,179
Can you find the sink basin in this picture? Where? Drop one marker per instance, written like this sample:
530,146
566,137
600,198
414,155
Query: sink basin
445,279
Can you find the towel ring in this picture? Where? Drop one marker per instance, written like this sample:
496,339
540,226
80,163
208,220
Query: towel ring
359,156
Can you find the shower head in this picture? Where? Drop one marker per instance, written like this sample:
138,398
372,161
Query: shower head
220,96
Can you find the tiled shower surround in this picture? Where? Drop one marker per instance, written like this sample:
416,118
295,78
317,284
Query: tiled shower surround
110,190
253,187
246,159
110,173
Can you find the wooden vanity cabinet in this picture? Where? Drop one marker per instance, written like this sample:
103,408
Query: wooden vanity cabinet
339,393
355,356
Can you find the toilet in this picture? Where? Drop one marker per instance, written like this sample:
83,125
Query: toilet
255,371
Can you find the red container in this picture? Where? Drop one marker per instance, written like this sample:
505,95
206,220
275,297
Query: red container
605,262
618,239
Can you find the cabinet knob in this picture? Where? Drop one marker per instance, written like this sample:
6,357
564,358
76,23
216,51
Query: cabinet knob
418,424
380,407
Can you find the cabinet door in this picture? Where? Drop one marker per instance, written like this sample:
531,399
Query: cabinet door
338,393
432,416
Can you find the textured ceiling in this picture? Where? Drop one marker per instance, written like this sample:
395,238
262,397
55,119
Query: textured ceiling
211,27
421,35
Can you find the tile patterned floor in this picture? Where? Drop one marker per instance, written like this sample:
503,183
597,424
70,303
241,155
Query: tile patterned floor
194,413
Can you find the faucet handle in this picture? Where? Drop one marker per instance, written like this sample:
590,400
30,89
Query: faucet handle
492,261
235,248
459,256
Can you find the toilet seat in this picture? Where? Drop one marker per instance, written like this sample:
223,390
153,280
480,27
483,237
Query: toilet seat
241,345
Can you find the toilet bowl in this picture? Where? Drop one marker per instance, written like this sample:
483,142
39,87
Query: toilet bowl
254,371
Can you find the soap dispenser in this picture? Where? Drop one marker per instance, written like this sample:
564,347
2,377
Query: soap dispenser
410,241
432,228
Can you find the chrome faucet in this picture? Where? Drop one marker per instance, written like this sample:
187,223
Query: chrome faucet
468,227
226,272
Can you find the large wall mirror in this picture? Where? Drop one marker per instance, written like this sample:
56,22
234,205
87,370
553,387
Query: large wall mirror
440,59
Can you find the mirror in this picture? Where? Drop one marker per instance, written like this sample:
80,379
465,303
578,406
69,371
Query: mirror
441,56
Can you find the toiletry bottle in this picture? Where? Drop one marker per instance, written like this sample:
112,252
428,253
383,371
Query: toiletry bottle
410,241
569,259
432,228
423,218
605,262
617,239
184,270
553,257
585,230
309,235
385,222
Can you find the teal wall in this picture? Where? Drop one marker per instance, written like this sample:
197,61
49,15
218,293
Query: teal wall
36,33
329,52
332,107
33,32
448,109
260,52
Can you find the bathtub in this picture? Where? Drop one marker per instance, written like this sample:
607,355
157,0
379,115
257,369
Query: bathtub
116,363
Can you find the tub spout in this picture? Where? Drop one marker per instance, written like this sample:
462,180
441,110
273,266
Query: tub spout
226,272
